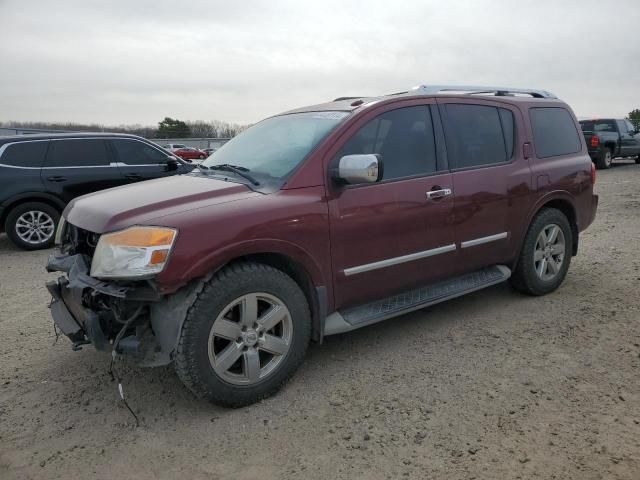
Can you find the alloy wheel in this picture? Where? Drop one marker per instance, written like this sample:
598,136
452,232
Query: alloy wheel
35,227
549,252
250,338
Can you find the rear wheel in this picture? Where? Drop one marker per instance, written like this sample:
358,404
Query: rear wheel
32,225
244,336
638,158
546,254
605,159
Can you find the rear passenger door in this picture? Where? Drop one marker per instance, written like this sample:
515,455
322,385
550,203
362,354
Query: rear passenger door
491,178
629,139
75,167
140,161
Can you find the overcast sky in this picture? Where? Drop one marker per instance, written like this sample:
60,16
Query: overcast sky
137,61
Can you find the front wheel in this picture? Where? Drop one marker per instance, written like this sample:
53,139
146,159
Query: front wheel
244,336
546,254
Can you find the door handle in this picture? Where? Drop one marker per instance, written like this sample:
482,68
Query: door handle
57,178
437,194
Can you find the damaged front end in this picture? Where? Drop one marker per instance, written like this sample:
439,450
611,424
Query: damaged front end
130,317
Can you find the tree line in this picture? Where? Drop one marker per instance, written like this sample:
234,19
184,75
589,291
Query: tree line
167,128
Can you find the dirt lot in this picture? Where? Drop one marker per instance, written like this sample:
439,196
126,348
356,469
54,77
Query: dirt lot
492,385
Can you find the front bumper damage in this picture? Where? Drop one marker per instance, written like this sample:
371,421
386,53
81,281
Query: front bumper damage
92,311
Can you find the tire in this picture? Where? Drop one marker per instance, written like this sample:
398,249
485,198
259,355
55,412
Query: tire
32,225
605,159
527,277
204,355
638,159
202,157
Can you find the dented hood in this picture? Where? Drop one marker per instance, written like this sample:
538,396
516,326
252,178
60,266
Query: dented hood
143,202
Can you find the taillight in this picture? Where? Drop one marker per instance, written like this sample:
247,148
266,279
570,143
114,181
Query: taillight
593,173
595,141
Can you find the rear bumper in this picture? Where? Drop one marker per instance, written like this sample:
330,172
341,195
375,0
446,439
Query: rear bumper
594,209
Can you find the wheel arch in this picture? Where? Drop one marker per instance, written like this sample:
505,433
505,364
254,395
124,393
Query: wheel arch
561,201
285,256
26,197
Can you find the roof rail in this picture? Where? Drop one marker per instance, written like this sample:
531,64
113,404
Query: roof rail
340,99
472,89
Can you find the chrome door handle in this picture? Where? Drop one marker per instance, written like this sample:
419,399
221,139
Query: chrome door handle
435,194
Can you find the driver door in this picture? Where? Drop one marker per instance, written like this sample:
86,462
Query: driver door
393,235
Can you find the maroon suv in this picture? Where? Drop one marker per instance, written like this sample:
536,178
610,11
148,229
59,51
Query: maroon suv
322,220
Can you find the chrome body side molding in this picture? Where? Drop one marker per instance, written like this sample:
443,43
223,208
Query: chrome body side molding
482,240
398,260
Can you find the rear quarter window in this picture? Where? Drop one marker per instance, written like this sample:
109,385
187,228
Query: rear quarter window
25,154
554,132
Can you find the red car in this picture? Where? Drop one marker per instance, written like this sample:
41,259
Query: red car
322,220
190,153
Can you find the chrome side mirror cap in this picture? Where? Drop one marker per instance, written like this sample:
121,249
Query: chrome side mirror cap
361,168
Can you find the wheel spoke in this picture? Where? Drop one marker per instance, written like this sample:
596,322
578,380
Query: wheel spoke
542,267
538,255
274,345
249,310
553,234
557,249
543,237
227,358
226,329
552,266
272,317
251,364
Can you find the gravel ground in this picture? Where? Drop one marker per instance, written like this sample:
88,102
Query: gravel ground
491,385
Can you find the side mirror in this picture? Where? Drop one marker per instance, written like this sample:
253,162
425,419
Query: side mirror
355,169
172,163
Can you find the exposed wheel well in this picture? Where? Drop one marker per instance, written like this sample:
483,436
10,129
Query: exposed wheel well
566,208
22,200
611,146
300,275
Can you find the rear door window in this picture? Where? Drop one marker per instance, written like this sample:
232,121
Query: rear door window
25,154
554,132
403,138
78,153
478,135
134,152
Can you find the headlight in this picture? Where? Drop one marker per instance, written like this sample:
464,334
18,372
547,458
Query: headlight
132,253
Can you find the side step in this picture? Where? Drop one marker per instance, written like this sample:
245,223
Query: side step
421,297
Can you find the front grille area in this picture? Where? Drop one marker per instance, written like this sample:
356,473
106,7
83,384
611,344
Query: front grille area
76,240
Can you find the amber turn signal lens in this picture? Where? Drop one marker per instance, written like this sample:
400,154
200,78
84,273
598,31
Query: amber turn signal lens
159,256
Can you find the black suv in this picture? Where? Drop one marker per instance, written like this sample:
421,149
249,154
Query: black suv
40,174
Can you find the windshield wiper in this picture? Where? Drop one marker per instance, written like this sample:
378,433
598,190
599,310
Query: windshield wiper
242,171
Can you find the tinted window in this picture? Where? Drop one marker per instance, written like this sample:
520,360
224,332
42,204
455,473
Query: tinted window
630,126
474,135
404,138
554,132
133,152
622,126
25,154
598,126
77,153
508,130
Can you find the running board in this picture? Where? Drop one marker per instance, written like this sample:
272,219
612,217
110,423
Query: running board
421,297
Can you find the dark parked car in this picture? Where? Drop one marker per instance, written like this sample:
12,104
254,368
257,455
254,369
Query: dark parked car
608,138
40,174
322,220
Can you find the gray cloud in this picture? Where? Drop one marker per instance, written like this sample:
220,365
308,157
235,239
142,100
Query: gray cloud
138,61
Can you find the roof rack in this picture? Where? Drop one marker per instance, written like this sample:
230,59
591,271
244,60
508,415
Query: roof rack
471,89
340,99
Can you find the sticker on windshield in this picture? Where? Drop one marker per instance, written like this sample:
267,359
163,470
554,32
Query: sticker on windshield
329,115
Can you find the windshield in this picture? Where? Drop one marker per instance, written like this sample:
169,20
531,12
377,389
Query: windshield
277,145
